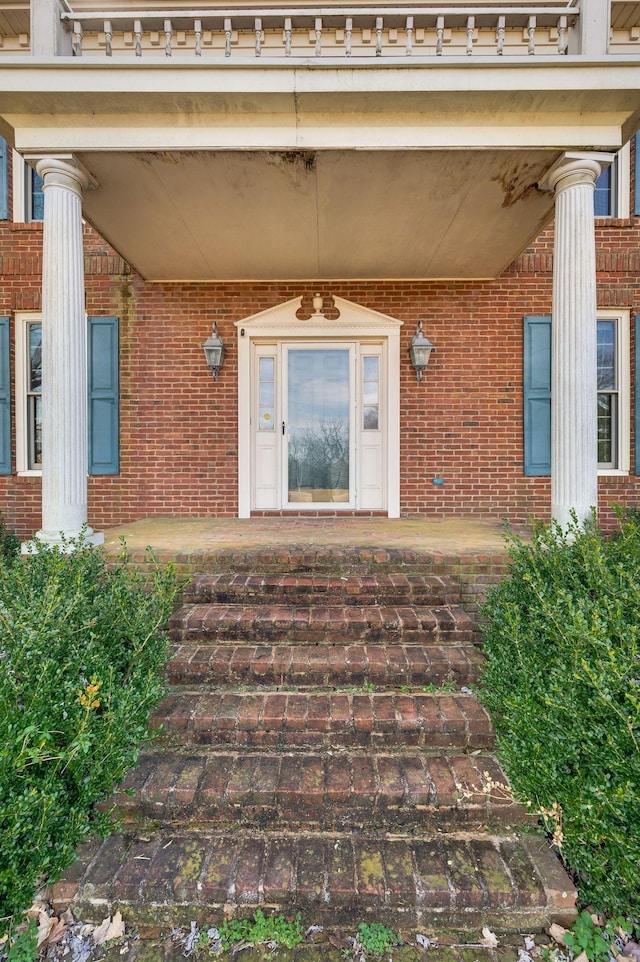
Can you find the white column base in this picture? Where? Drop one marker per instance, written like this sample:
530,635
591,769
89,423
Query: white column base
86,538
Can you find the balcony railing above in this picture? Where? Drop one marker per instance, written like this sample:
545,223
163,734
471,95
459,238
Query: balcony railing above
176,30
375,30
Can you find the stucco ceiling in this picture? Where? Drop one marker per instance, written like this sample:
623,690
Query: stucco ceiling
205,215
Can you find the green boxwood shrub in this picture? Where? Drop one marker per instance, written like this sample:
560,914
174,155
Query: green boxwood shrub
562,682
81,654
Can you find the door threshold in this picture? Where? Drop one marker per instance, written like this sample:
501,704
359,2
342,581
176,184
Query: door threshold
320,513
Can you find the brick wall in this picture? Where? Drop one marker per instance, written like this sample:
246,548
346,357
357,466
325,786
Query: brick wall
179,427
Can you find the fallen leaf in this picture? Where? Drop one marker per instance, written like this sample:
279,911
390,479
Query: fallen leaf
57,932
557,933
109,929
489,939
45,924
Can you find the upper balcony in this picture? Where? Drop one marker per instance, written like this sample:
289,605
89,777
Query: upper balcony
303,30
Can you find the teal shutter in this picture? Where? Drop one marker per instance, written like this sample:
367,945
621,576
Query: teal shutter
636,190
537,394
5,398
104,446
4,179
636,399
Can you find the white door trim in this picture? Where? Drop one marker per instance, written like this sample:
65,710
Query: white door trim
354,323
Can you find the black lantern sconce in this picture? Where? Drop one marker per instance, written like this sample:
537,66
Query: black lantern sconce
420,351
213,349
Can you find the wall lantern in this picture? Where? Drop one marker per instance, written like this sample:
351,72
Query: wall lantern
214,351
420,351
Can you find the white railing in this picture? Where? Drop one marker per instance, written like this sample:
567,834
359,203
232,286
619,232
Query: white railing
428,29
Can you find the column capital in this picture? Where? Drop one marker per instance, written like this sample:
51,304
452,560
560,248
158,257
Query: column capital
574,169
63,171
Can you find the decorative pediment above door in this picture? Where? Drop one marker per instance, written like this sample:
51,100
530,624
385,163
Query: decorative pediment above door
337,317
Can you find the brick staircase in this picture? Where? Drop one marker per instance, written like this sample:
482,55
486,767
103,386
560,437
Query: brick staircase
322,751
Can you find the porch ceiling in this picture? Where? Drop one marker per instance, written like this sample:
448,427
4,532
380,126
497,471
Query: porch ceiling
227,215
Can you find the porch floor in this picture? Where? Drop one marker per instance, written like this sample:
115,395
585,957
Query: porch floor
171,535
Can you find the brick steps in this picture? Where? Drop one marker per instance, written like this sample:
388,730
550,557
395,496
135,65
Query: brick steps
460,882
304,764
325,719
421,793
324,665
295,624
318,589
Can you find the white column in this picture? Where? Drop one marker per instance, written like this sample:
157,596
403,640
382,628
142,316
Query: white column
64,356
574,453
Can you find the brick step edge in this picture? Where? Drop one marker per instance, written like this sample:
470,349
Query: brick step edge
331,559
315,589
309,624
325,719
322,791
460,883
388,665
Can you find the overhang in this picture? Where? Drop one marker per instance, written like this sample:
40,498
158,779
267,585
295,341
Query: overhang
319,170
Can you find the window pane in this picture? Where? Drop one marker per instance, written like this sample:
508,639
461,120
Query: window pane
607,356
266,421
371,419
607,454
370,390
37,197
318,383
267,393
602,206
35,357
34,427
267,368
370,368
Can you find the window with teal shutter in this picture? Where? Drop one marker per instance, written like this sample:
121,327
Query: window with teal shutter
104,447
537,395
5,398
4,179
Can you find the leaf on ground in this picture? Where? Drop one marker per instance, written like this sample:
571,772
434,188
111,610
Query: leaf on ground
58,931
45,924
489,938
109,929
557,933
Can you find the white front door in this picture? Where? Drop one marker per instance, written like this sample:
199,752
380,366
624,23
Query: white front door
319,425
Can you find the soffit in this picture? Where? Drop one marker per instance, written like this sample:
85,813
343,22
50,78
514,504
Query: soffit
266,215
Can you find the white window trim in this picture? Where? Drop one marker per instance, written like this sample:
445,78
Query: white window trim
22,444
22,172
623,360
621,172
19,168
